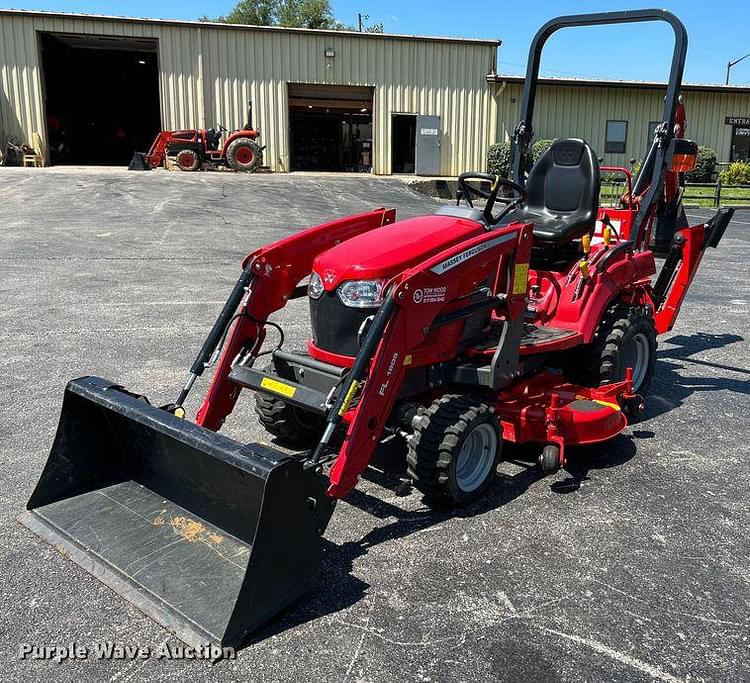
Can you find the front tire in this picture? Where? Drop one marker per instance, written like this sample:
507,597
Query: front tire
243,154
455,448
292,426
188,160
626,337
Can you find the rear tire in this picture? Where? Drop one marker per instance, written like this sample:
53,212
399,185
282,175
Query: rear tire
243,154
291,425
454,451
626,337
188,160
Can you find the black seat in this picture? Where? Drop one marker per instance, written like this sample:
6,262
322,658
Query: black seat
563,193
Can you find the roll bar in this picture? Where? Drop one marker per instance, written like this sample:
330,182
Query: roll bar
524,131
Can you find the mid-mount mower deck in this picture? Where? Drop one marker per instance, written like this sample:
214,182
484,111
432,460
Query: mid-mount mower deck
531,320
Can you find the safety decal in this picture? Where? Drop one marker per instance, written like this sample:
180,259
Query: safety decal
278,387
520,278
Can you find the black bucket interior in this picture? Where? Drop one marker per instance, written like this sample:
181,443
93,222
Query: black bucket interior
208,536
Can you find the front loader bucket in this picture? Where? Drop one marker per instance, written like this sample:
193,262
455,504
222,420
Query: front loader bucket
208,536
138,162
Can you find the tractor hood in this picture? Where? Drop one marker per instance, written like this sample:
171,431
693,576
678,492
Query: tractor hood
386,251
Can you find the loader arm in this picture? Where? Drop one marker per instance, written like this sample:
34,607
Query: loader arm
275,271
155,155
417,299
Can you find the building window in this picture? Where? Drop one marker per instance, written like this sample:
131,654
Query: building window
652,126
617,136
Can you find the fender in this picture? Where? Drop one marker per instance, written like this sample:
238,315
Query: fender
252,134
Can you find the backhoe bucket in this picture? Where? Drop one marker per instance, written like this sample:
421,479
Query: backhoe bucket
208,536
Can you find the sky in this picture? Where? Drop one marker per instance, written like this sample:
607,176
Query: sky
717,30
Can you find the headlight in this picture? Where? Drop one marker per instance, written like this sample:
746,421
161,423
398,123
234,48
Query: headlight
362,293
315,288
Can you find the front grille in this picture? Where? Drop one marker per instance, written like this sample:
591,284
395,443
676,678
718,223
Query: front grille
335,326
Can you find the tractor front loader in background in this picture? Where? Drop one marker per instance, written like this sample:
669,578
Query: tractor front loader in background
195,148
530,320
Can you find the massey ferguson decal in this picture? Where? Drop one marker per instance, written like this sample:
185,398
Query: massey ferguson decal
453,261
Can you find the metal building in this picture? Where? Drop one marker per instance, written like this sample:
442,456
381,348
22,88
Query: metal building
97,88
618,117
93,87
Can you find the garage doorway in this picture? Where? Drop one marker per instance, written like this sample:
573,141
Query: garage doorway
403,143
330,128
101,97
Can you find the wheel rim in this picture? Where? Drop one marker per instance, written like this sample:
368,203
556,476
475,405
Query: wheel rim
186,160
476,457
636,356
244,155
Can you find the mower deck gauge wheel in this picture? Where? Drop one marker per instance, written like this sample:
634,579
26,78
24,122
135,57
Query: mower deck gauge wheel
549,459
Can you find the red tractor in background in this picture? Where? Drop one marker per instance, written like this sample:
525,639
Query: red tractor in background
194,149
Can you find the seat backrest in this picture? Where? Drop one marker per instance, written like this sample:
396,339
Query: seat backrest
565,181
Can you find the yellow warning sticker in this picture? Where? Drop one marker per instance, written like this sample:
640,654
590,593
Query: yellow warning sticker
348,398
520,278
278,387
407,359
608,404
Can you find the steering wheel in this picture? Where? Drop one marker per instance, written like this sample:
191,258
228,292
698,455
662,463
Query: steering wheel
510,203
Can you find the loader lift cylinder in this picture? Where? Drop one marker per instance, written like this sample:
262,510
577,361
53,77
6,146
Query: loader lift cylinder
217,332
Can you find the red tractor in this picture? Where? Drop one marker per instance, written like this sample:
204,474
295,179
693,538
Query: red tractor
195,149
530,319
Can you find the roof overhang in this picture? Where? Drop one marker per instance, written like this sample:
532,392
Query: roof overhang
245,27
635,85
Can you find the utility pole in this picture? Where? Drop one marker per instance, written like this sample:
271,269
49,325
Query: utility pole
361,16
729,64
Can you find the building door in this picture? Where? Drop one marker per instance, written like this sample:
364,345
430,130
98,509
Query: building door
428,145
101,97
330,127
740,143
403,143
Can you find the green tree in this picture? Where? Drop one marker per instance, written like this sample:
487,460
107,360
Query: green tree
255,12
291,13
305,14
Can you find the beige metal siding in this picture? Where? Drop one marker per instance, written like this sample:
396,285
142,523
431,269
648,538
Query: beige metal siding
570,111
208,74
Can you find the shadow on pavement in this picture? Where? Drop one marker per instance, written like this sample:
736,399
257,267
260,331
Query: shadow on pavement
583,459
671,388
340,589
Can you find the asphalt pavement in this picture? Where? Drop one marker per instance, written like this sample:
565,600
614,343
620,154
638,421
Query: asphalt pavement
631,564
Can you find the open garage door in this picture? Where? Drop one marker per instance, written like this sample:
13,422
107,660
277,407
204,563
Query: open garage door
330,127
101,96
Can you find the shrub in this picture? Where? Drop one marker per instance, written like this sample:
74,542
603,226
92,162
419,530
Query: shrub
704,167
498,156
498,159
738,173
539,148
